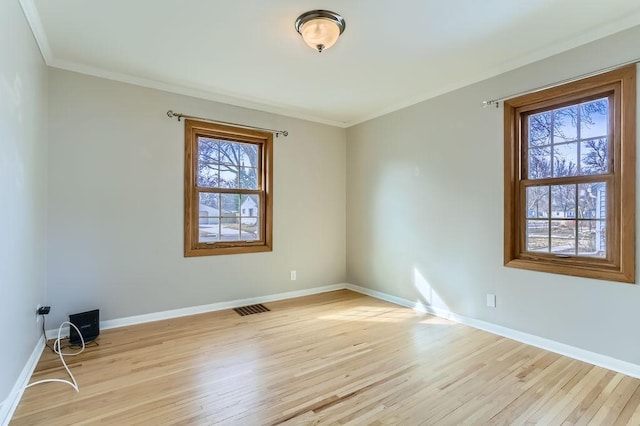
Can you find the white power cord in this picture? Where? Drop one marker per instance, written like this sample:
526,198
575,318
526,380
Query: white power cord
58,349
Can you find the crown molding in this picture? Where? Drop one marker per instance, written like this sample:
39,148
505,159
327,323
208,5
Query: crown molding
215,96
35,23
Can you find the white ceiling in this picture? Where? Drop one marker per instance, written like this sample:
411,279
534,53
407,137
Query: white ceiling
247,52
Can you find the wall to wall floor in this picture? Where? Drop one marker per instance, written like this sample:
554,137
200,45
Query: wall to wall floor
23,208
425,214
115,234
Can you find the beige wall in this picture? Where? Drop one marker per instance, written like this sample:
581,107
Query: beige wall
115,221
23,120
425,214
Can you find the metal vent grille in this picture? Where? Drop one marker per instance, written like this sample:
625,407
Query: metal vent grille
251,309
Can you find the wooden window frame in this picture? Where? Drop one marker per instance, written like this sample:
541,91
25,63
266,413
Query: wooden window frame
264,140
619,264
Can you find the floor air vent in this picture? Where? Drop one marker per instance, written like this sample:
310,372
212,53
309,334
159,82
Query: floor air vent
251,309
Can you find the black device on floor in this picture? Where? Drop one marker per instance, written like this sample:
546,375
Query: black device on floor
89,325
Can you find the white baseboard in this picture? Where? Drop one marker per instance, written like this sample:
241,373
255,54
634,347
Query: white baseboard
193,310
594,358
9,405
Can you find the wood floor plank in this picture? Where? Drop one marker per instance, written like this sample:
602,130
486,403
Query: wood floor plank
327,359
629,409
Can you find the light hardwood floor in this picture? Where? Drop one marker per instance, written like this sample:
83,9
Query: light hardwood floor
334,358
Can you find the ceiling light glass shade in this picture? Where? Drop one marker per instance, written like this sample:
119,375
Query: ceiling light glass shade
320,29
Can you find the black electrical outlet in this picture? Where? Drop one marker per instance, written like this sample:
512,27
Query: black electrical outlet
44,310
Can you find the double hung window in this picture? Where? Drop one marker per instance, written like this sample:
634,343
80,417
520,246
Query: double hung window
570,178
228,190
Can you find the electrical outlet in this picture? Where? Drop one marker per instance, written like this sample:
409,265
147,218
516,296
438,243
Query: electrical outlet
491,300
293,275
37,314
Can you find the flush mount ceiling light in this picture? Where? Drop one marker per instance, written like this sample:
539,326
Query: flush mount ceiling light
320,29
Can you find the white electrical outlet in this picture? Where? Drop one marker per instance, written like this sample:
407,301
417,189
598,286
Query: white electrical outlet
491,300
37,315
293,275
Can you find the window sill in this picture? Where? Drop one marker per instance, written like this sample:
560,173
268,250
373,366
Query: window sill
222,250
605,272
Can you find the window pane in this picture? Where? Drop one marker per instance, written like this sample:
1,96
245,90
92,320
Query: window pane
538,235
250,155
249,206
230,205
230,229
563,201
209,202
540,129
208,150
594,158
229,153
208,233
208,218
594,119
539,163
592,200
237,229
208,208
592,238
238,154
251,232
565,160
208,175
248,178
563,237
229,176
250,217
565,124
538,201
